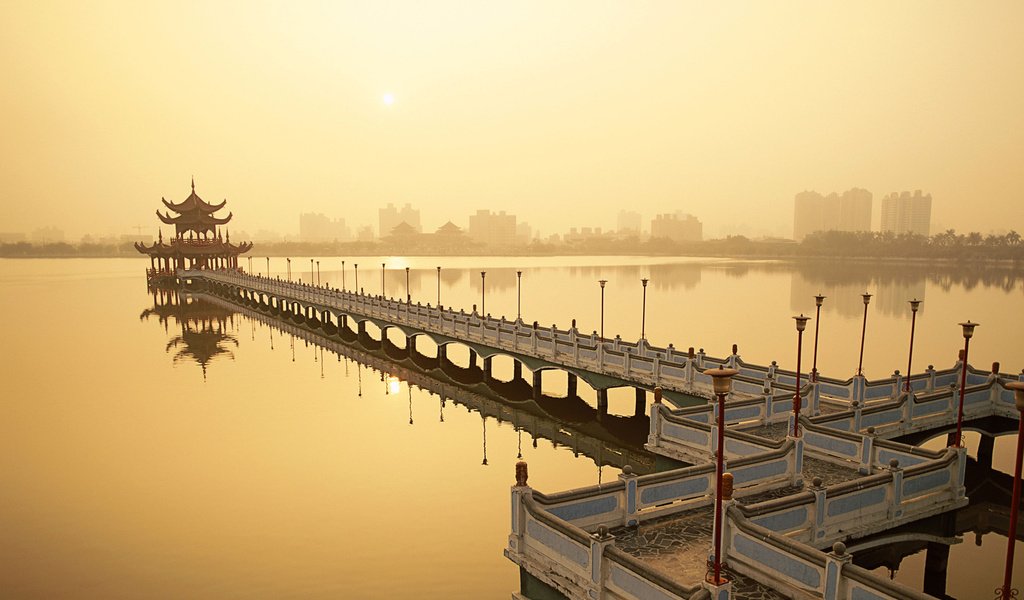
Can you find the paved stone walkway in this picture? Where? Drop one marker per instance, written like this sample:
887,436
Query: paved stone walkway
679,545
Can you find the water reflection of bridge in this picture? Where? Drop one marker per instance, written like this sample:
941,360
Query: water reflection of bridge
607,439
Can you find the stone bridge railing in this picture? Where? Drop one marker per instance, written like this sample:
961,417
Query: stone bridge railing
855,437
915,412
776,541
695,440
578,564
634,499
638,363
562,538
859,387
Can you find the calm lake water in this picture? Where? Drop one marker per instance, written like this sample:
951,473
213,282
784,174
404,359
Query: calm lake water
279,470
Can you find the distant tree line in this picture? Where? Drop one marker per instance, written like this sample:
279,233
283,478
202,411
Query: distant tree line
824,244
66,250
948,244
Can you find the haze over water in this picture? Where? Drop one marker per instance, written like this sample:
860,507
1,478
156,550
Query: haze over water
127,473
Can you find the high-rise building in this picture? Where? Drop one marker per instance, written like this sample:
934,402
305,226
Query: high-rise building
906,213
315,227
493,229
812,212
524,233
629,222
391,217
678,227
855,210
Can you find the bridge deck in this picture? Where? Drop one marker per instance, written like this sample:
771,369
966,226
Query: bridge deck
602,362
677,545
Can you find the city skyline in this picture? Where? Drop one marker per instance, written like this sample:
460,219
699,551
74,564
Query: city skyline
443,106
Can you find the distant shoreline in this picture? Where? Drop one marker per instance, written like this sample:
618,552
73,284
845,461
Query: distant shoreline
943,248
781,258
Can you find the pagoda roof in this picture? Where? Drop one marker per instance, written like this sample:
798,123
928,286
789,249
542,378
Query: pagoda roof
449,228
194,219
403,229
180,247
193,203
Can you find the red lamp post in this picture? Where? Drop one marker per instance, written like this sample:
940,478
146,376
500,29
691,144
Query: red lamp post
643,312
801,324
722,383
864,328
483,293
1006,592
602,282
519,295
968,328
818,300
914,305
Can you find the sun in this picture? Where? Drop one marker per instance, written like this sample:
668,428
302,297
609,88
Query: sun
389,99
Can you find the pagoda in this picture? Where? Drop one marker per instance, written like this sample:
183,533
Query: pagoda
197,243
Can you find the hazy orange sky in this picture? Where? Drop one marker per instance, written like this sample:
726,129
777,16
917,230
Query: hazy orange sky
561,112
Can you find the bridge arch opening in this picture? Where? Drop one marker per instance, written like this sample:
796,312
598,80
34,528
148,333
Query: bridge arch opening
623,401
372,331
461,355
397,338
503,368
425,345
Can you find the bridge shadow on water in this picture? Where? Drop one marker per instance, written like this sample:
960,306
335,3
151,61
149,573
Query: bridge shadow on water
206,320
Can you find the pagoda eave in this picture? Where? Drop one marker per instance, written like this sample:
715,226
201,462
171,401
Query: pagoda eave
200,248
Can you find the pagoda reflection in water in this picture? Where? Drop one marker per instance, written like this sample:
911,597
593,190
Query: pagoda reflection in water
204,326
